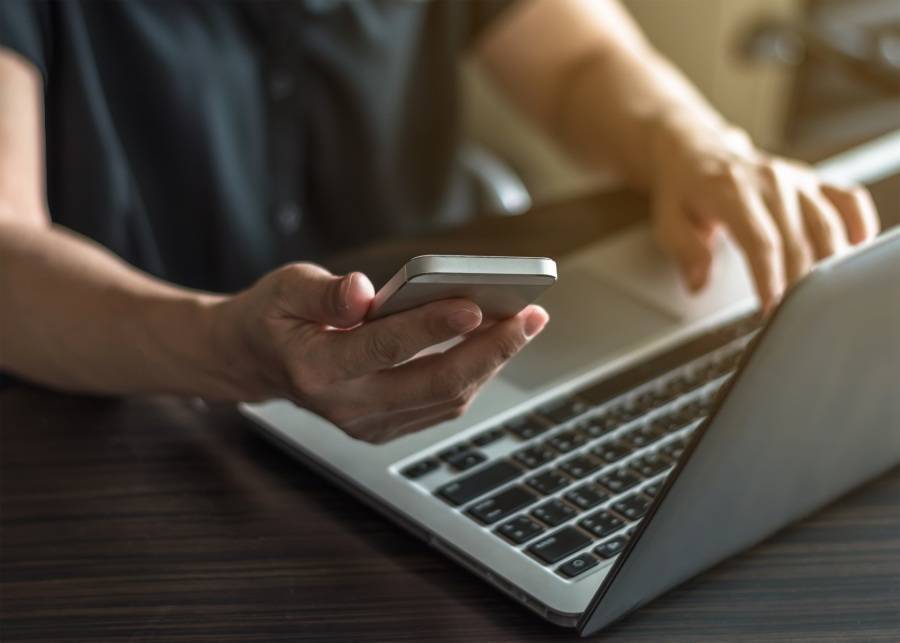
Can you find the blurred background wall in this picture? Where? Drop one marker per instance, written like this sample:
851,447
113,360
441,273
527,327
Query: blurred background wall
806,78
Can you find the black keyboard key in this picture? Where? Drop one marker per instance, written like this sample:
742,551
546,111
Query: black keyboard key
465,460
633,507
643,436
560,411
558,545
580,564
520,530
597,427
553,513
619,480
476,484
533,457
610,452
548,482
675,448
456,449
419,469
649,400
587,496
526,427
501,505
601,523
487,437
580,466
611,547
650,464
567,441
652,490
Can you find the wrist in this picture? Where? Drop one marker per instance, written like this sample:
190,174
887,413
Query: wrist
237,362
684,140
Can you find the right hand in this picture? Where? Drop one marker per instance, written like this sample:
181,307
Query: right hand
299,333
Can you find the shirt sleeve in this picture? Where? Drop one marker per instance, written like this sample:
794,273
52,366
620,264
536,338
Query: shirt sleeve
25,29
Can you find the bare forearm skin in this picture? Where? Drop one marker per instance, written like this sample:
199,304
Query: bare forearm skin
77,318
586,74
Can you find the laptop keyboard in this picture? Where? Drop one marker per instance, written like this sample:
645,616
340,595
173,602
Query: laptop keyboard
567,483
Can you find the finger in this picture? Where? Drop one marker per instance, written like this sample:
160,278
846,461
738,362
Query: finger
310,292
751,224
687,243
455,375
784,204
856,208
823,223
396,338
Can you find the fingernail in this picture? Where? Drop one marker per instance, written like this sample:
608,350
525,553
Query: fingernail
464,320
535,323
346,288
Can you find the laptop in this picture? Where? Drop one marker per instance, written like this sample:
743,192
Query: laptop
647,434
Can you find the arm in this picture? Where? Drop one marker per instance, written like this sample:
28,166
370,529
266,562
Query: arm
76,317
583,71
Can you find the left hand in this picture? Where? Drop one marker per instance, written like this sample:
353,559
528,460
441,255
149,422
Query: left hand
783,217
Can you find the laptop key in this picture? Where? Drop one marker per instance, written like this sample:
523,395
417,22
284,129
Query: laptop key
567,441
596,427
587,496
520,530
487,437
644,435
611,547
612,451
465,460
652,490
501,505
580,466
619,480
527,426
601,523
560,411
558,545
553,513
476,484
533,457
456,449
548,482
650,464
581,563
675,448
419,469
633,507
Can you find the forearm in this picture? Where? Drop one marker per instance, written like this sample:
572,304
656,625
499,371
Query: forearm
584,72
77,318
625,109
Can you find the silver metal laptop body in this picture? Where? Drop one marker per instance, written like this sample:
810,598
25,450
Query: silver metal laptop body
557,486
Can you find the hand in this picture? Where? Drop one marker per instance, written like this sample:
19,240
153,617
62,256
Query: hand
299,333
783,217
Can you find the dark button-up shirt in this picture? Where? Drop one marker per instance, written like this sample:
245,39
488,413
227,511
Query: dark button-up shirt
209,142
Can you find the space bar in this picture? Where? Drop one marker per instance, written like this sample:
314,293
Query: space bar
479,483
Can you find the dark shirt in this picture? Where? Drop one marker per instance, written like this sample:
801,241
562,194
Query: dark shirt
207,142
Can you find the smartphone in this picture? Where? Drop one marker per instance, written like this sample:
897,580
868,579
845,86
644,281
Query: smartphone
501,286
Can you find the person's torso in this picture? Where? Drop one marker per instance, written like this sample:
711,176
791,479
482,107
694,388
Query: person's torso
210,142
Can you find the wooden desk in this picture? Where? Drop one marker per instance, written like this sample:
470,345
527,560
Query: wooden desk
170,520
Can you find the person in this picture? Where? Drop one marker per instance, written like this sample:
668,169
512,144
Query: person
154,155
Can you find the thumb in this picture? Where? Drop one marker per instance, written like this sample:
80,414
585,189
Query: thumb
686,241
312,293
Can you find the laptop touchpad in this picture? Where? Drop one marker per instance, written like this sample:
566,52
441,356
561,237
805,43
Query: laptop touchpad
590,322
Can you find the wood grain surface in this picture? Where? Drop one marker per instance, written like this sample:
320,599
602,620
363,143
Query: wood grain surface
170,520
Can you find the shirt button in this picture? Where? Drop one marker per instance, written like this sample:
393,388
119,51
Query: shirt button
281,85
289,218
